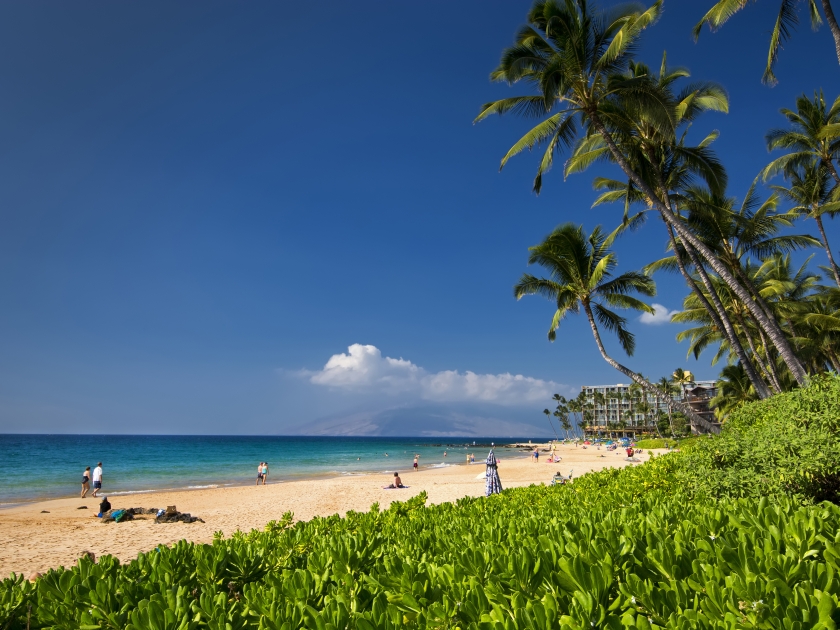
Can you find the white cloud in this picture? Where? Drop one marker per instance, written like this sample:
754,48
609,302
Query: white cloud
363,368
661,316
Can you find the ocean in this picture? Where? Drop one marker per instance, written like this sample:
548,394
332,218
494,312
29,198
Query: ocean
50,466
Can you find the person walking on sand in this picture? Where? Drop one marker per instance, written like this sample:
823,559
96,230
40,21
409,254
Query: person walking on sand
416,457
85,482
264,470
97,479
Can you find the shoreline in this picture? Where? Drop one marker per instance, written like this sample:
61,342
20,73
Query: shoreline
47,534
513,450
214,486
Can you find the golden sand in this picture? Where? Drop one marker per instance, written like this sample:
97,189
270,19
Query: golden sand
34,541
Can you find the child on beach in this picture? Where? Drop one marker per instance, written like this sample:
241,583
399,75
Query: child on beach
85,482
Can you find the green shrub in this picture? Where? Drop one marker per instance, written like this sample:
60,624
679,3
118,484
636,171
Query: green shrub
663,545
560,557
656,443
784,445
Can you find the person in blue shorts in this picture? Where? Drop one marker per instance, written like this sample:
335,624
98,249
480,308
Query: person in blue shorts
97,479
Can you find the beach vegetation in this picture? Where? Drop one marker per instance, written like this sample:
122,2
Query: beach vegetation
736,530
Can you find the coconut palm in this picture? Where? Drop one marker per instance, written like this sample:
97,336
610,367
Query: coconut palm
733,390
598,401
548,416
733,234
786,22
668,386
581,277
578,61
813,136
810,189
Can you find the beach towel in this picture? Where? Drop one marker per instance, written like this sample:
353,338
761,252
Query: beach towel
392,488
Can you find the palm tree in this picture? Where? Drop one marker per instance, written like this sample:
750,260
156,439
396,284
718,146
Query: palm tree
581,278
733,390
567,425
559,415
667,386
813,136
577,60
598,400
811,191
734,234
785,23
613,400
682,379
548,415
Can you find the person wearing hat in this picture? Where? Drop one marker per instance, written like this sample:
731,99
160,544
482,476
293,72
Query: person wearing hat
104,507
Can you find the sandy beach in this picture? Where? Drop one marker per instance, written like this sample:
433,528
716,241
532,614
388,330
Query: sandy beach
48,534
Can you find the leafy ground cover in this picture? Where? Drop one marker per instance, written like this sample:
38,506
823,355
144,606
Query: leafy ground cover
656,443
644,547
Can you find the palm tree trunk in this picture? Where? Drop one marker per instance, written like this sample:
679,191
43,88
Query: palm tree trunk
769,324
671,420
696,420
761,364
832,357
771,362
718,314
824,238
832,25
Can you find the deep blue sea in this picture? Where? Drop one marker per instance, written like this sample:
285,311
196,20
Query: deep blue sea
50,466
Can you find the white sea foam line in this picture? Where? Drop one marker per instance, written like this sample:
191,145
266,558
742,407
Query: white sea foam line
125,492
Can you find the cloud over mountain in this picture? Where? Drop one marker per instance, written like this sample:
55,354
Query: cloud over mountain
363,368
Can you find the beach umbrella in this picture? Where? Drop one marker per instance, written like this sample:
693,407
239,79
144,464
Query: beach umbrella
492,484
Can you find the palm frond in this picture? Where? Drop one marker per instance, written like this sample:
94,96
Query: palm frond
526,106
616,324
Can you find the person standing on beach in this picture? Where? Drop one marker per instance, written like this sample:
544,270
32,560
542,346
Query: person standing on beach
97,479
416,457
259,473
264,472
85,482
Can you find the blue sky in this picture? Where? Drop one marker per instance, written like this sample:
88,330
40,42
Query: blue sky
201,203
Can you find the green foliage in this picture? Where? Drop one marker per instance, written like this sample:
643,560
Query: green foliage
656,443
784,445
685,541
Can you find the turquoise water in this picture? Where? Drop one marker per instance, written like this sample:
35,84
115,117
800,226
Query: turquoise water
51,466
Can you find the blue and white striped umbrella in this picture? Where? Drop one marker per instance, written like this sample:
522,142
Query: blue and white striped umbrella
492,484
